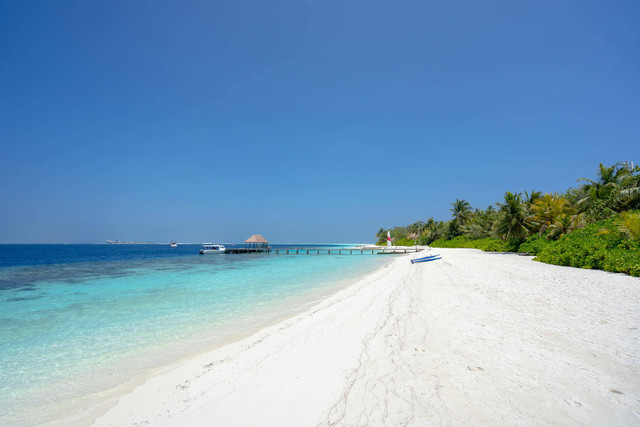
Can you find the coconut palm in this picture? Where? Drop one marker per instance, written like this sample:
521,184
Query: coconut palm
417,228
512,218
461,211
547,209
531,198
628,196
481,224
453,229
430,223
564,224
561,226
433,231
606,188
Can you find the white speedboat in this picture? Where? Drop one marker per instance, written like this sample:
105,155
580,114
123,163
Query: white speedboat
210,248
173,244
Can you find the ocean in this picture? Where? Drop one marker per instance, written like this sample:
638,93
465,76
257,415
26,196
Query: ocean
79,324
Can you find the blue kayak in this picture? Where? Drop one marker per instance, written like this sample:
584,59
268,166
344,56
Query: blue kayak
413,261
427,258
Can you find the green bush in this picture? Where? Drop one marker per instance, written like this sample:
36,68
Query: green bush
623,261
489,244
457,242
602,245
598,246
404,242
534,244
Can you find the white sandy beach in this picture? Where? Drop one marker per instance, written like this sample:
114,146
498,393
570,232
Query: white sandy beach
472,339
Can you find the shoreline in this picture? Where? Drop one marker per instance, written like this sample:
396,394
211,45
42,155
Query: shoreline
473,338
286,309
234,346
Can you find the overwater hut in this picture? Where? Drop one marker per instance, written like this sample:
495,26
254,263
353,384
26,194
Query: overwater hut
257,242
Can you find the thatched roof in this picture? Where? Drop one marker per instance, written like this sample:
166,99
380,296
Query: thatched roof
256,238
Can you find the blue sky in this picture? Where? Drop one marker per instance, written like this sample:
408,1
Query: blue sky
302,121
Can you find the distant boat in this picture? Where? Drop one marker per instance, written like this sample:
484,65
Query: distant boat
210,248
388,238
173,244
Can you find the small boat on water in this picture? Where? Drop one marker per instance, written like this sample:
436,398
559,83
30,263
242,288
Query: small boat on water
173,244
211,248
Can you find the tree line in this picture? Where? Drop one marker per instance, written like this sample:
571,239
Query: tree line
530,221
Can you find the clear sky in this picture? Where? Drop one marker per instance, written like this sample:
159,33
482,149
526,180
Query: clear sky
316,121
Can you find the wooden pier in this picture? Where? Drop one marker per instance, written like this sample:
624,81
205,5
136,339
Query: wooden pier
256,244
247,250
300,250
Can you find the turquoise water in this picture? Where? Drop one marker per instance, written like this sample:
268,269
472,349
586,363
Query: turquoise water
73,333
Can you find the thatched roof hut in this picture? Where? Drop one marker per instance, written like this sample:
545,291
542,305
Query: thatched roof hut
256,238
256,241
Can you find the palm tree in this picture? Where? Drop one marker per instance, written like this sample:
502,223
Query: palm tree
547,209
381,235
512,218
561,226
531,198
606,188
453,229
481,224
461,211
418,227
629,195
564,224
434,230
430,230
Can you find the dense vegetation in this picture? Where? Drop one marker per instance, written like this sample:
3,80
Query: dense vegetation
595,225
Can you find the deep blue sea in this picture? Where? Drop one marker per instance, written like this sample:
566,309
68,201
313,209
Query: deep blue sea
81,323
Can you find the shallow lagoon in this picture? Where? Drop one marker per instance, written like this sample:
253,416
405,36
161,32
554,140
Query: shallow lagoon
74,331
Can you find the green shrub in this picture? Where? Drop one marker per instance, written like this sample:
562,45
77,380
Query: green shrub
601,246
623,261
489,244
534,244
598,246
405,242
